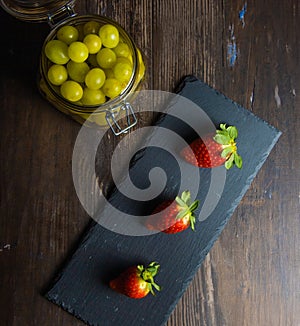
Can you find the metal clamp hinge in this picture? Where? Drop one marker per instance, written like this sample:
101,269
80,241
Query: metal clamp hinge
113,122
64,12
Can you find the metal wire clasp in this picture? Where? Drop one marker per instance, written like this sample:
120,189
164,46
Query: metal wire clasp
111,116
57,16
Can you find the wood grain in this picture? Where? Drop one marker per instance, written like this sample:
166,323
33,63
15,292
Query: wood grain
251,275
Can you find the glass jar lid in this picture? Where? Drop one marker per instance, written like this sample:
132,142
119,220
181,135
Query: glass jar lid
39,11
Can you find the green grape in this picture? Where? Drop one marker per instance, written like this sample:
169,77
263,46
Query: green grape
141,70
106,58
77,70
57,52
109,35
129,57
91,27
109,73
122,50
57,74
95,78
122,71
71,91
67,34
93,43
112,87
93,97
78,51
125,61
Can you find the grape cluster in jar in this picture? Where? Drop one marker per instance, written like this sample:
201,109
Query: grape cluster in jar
89,64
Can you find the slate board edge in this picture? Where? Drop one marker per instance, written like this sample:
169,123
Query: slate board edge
82,239
69,310
193,79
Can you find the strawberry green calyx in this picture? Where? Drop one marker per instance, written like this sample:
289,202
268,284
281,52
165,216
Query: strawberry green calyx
148,273
186,208
226,137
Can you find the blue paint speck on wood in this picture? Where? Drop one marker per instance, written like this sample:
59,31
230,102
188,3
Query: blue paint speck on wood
232,51
242,14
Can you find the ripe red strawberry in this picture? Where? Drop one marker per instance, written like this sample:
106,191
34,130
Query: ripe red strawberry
175,216
136,281
214,149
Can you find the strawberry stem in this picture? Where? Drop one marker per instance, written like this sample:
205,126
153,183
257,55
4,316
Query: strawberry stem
187,208
148,273
226,137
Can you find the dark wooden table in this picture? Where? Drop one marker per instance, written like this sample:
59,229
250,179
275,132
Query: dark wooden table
251,276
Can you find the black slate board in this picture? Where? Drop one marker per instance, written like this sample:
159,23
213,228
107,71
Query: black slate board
82,287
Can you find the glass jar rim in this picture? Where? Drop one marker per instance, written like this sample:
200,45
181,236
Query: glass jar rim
35,11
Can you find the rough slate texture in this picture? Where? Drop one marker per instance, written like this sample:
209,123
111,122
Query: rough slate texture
82,287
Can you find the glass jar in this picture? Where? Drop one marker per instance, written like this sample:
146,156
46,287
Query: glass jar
58,14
